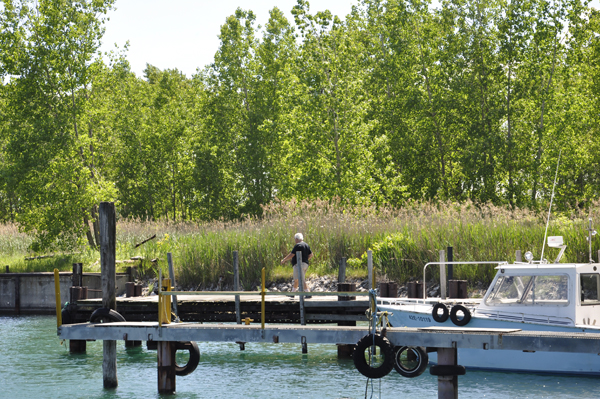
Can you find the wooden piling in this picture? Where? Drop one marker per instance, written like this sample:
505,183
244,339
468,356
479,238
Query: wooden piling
77,277
166,366
447,385
342,271
107,221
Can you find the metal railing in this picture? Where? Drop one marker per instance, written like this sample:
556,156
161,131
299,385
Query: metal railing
500,262
162,306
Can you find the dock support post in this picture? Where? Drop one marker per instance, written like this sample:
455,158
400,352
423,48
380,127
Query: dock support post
447,385
344,350
342,271
107,221
236,287
442,275
166,367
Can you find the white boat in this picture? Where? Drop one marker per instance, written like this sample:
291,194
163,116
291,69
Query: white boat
539,296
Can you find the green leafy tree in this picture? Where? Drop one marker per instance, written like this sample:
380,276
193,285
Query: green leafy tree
48,54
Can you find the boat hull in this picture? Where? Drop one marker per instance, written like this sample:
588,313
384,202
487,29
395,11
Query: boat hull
503,360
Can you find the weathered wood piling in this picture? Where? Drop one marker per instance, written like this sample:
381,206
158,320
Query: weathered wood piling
107,220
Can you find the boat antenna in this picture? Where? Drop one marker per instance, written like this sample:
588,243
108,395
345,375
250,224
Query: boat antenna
550,209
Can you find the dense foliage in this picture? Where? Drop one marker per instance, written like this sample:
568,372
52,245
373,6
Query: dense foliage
400,100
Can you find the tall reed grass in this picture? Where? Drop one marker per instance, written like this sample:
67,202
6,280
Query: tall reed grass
402,240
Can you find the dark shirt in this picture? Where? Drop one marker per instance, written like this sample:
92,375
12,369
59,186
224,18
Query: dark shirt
301,246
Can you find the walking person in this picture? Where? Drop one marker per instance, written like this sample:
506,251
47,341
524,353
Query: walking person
306,255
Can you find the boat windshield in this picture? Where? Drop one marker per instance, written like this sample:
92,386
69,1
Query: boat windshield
530,290
590,287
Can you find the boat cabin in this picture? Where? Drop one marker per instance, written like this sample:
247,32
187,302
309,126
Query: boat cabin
559,294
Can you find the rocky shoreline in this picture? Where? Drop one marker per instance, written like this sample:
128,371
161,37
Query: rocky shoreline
315,284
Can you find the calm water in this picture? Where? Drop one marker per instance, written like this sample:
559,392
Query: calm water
34,364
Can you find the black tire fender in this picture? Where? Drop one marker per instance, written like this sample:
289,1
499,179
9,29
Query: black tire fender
444,370
410,361
454,317
363,365
436,315
106,315
193,361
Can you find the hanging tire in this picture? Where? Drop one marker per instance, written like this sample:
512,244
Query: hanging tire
363,361
193,361
106,315
410,361
440,318
454,315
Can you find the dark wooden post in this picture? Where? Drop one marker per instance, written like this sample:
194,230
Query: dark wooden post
447,385
77,275
166,366
236,287
107,221
342,271
343,350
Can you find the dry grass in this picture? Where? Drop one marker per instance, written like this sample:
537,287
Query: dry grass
403,240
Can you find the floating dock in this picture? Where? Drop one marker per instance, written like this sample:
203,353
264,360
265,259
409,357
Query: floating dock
221,307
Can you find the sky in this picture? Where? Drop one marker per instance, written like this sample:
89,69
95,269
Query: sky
183,34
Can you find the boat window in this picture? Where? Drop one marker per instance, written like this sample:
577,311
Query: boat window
590,285
529,290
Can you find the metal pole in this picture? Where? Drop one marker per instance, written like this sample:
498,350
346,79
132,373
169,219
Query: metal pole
518,255
442,275
107,221
300,286
450,266
371,283
236,287
172,276
262,301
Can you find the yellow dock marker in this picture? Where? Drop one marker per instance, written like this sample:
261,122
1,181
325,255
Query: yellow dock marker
57,296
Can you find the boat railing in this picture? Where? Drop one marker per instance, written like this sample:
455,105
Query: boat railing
499,262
